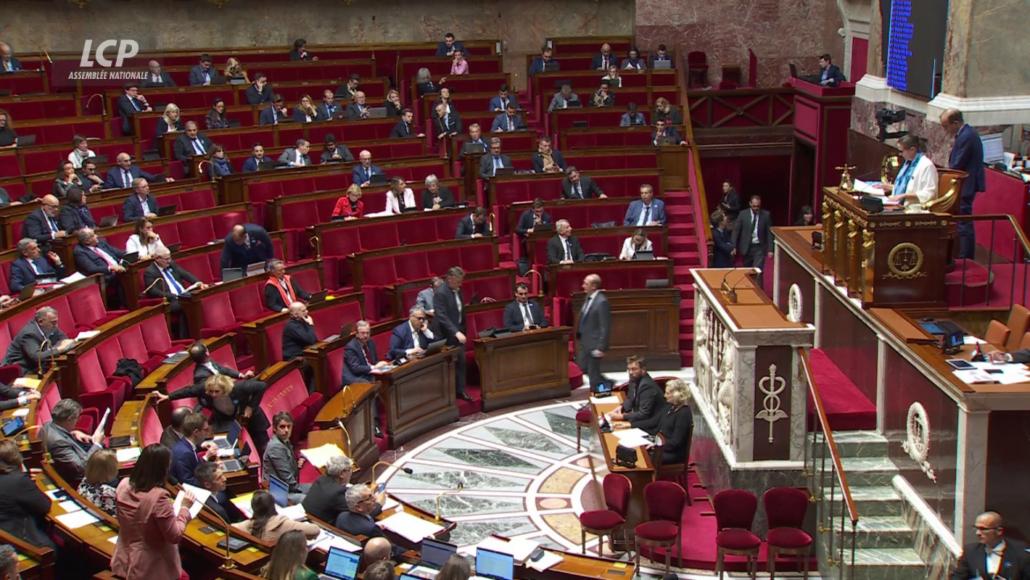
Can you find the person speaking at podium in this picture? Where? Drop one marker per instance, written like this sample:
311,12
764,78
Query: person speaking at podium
916,184
523,313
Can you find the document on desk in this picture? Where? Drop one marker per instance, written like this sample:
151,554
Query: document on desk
409,527
77,519
548,560
612,400
632,437
319,457
1010,373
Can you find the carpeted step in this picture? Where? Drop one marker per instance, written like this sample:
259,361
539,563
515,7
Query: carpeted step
680,210
847,409
685,257
681,240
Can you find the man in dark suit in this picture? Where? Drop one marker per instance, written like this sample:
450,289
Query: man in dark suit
275,113
203,74
186,452
406,126
211,477
32,267
660,55
490,163
360,360
645,211
38,343
280,289
967,154
259,91
191,142
499,103
329,109
74,214
449,313
121,177
8,63
445,123
449,45
170,281
592,329
993,555
411,337
299,332
300,51
752,235
141,203
347,90
156,78
722,241
474,143
523,313
246,244
358,519
173,431
14,397
576,186
434,196
41,225
665,134
357,110
829,73
257,159
474,225
546,159
563,248
604,59
204,367
531,218
508,121
544,63
298,155
96,256
129,104
363,171
327,497
643,395
68,447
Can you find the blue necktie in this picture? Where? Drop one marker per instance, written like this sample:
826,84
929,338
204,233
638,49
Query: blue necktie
175,286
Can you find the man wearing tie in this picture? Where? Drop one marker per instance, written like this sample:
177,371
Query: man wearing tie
576,186
489,164
141,203
360,359
523,313
604,59
444,123
410,338
41,225
96,256
297,156
121,177
32,267
129,104
563,248
450,315
191,143
993,555
592,329
499,104
646,211
405,127
967,154
166,279
328,109
508,121
752,235
203,75
8,64
357,110
362,172
474,143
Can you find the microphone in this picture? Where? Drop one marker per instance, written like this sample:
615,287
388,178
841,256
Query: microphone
228,563
103,107
346,435
725,288
159,278
732,294
406,470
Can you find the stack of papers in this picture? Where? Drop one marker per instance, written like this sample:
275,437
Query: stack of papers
632,437
549,560
26,383
610,400
242,503
128,454
87,334
200,494
319,457
326,540
410,527
519,549
294,512
77,519
1010,374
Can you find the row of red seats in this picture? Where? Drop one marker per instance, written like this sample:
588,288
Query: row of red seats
265,336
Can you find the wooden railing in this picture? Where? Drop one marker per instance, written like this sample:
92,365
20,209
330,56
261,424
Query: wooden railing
741,108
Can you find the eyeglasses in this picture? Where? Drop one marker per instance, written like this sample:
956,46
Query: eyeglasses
420,318
985,529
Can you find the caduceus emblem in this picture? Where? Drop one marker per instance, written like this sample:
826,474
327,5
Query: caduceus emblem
771,386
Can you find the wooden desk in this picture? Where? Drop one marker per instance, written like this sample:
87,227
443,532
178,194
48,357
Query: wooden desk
34,562
524,366
575,565
639,476
353,406
644,323
419,395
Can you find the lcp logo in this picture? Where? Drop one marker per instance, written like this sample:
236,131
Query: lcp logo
125,49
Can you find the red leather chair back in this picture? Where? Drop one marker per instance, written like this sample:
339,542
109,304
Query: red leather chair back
617,490
785,507
735,508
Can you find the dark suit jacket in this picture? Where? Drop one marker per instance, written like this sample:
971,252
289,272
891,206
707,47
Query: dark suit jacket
833,75
162,127
743,227
359,174
219,503
358,525
967,154
36,227
442,50
401,339
88,262
328,113
641,400
165,80
184,462
156,285
677,429
73,218
197,76
297,335
126,110
669,136
466,227
113,180
9,397
184,150
22,274
356,369
538,160
486,165
513,315
252,164
539,66
1015,563
239,256
589,188
445,308
526,221
556,251
301,117
402,130
22,508
326,499
201,373
445,195
722,242
274,300
26,350
598,60
636,207
270,116
500,123
133,210
469,147
593,329
343,150
453,124
169,437
354,111
1021,356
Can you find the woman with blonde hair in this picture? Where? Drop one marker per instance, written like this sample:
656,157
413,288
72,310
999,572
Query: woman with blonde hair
675,422
305,111
349,206
288,559
638,242
101,470
234,70
393,104
169,121
664,110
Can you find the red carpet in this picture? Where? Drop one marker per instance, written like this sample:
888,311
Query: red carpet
969,284
847,409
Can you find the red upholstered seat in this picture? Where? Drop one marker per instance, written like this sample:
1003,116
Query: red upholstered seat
791,538
217,315
660,530
737,539
584,415
617,489
196,232
734,514
248,302
665,501
602,519
150,427
785,509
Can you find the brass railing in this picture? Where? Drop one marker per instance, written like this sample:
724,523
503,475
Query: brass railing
1007,248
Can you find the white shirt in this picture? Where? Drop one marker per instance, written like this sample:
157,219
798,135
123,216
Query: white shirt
393,205
414,337
145,251
923,184
76,158
993,558
628,251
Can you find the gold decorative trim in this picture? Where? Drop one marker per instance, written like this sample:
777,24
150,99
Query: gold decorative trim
905,262
771,386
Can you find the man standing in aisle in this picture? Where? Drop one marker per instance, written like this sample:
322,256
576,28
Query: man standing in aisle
450,315
592,330
967,154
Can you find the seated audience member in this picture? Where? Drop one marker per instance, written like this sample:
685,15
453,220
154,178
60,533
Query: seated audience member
806,217
298,155
544,62
660,55
8,62
449,46
638,242
173,431
604,59
384,570
358,519
523,313
306,111
675,423
227,393
80,151
632,118
191,142
300,51
499,103
170,121
234,70
829,73
141,203
41,224
445,124
33,268
68,447
363,172
299,334
216,118
642,395
257,159
220,164
665,134
65,180
170,281
90,177
8,136
399,198
459,66
211,477
474,143
633,61
531,218
74,214
455,568
993,555
326,498
508,121
358,109
664,110
157,78
393,104
722,240
489,164
123,176
577,186
436,197
23,505
275,113
916,184
144,239
101,470
187,451
474,225
260,91
329,109
347,90
411,337
246,244
424,298
27,348
563,248
547,160
349,206
13,397
375,550
280,462
406,126
360,361
731,202
268,525
288,561
424,83
612,78
280,289
646,211
335,152
130,103
96,256
203,74
444,98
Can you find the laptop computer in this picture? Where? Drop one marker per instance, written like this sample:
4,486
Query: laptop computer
108,221
279,490
318,297
434,555
341,564
27,291
377,112
166,210
494,565
379,179
500,171
230,274
435,347
662,64
25,140
644,255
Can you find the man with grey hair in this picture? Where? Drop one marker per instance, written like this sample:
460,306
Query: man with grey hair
359,520
424,298
9,562
68,447
593,327
563,248
297,156
280,289
299,334
32,268
121,177
326,499
494,160
156,77
8,64
42,224
410,338
141,203
364,170
167,280
38,343
434,196
96,256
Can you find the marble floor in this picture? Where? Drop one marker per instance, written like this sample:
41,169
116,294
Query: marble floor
515,473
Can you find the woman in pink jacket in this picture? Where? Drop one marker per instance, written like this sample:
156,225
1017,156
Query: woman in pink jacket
150,530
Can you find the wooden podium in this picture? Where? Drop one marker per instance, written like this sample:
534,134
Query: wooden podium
524,366
353,406
887,259
644,322
419,395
